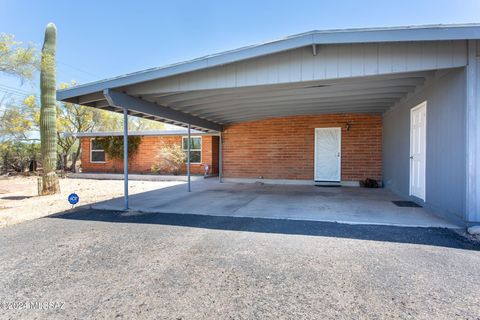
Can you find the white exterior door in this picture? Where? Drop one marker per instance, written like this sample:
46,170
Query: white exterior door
327,154
418,147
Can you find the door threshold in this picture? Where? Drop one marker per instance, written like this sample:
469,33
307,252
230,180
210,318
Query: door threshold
328,183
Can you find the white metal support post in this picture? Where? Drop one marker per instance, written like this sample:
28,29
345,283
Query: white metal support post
188,159
125,157
473,135
220,158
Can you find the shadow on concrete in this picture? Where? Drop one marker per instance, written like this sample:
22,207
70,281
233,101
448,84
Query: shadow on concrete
299,202
16,197
424,236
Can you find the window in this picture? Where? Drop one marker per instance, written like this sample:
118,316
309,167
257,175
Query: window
97,154
195,148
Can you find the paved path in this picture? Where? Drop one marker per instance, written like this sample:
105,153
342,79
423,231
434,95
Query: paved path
100,264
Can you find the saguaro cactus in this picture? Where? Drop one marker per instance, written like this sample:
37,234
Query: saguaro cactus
48,113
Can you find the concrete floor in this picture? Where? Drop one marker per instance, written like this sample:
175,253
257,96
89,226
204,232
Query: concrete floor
351,205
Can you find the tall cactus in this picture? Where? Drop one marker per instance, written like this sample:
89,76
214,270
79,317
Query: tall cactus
48,113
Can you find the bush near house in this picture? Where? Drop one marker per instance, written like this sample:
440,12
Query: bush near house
113,147
170,159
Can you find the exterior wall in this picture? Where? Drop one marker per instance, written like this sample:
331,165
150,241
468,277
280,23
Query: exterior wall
330,62
445,158
283,148
146,156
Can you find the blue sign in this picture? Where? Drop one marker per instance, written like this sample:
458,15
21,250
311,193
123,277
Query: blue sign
73,198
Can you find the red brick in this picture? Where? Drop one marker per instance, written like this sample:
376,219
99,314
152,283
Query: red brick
146,156
283,148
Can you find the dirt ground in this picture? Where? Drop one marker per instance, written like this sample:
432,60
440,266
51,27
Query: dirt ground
19,200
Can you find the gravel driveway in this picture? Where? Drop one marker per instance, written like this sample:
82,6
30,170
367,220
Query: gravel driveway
99,264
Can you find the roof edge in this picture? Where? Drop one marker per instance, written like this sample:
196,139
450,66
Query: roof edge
140,133
440,32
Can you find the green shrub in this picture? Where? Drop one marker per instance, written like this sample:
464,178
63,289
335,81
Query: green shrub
113,146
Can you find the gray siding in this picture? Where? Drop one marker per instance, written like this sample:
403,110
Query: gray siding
331,62
446,165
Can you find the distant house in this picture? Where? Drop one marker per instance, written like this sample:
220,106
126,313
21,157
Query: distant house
203,151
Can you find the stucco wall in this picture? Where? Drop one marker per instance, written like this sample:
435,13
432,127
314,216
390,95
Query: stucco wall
445,158
147,155
283,148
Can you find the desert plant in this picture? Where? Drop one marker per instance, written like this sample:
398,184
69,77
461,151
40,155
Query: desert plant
170,159
113,146
48,113
17,156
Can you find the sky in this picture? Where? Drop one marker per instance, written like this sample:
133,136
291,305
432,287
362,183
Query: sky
101,39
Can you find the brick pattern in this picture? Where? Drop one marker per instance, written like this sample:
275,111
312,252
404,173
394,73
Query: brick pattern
283,148
146,156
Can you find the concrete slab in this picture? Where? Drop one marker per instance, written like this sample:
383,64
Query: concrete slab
350,205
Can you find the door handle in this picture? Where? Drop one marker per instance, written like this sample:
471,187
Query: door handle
411,157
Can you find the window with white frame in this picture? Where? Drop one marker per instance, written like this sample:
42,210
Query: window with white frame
97,153
195,148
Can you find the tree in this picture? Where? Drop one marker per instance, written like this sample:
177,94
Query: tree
48,113
19,120
21,61
15,59
18,156
71,119
15,121
114,122
16,147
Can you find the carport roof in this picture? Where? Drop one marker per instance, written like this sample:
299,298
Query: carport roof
136,133
97,94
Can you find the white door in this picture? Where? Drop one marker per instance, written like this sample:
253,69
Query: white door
327,154
418,143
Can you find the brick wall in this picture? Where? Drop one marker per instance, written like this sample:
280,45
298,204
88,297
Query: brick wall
146,156
283,148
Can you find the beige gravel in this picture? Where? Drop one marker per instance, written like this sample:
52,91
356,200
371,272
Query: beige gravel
19,200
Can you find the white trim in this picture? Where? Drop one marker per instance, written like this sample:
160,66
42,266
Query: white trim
201,144
339,158
96,150
424,155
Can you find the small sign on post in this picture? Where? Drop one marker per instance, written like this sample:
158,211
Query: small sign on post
73,199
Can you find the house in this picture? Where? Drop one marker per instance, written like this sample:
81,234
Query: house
203,151
399,105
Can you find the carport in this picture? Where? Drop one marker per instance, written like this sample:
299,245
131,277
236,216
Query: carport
348,205
352,74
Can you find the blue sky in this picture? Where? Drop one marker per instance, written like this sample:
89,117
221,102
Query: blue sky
100,39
